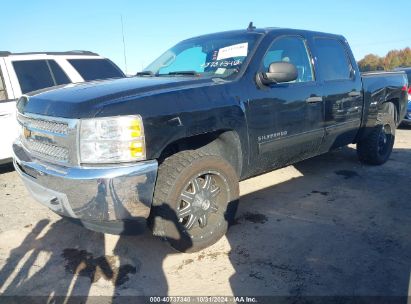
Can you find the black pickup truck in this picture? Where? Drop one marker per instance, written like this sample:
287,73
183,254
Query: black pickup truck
169,146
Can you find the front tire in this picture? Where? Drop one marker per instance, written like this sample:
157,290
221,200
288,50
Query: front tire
195,199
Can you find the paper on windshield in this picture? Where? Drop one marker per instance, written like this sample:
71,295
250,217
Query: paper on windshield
236,50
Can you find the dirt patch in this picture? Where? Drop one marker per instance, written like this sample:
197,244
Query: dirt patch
242,252
256,275
256,218
82,263
212,255
185,262
347,174
324,193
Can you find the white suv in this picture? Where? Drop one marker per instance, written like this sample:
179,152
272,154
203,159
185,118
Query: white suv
21,73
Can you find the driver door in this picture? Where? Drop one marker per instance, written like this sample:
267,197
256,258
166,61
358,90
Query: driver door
286,120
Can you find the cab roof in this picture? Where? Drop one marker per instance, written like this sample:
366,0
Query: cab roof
270,30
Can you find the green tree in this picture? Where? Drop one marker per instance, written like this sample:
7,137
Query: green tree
405,56
393,59
371,62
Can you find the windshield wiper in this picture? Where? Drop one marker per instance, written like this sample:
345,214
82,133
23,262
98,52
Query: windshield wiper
188,73
145,73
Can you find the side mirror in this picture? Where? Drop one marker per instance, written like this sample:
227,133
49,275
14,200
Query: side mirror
279,72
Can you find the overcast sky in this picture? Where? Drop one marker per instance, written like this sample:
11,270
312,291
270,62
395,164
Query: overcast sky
151,27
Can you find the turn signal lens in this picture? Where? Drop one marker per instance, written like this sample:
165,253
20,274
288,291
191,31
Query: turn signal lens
136,149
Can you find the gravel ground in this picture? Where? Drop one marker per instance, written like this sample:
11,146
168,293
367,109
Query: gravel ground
325,226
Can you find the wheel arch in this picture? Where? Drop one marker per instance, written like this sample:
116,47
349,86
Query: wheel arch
385,106
378,116
224,143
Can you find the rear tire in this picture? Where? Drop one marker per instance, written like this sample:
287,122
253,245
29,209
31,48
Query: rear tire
195,199
376,148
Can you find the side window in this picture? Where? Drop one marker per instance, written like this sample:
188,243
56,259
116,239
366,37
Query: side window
33,75
293,50
3,93
59,76
332,59
93,69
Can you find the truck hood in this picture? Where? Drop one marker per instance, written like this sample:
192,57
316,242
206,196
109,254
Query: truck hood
87,99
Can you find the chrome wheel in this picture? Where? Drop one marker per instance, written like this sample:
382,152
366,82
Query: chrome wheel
200,200
195,200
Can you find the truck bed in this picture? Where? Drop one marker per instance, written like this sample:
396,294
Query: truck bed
379,87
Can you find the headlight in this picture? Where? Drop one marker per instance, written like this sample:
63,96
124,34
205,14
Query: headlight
112,139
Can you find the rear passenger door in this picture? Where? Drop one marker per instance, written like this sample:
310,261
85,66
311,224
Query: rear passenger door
8,123
341,91
34,75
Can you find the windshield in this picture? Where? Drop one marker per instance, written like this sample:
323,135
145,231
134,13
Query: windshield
219,55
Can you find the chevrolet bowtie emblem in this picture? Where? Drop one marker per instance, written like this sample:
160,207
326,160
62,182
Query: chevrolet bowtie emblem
26,133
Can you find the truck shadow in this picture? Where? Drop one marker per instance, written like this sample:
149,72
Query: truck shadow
73,263
330,227
333,228
68,260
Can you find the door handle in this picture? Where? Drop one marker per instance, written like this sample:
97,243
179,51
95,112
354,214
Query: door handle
354,94
4,114
314,99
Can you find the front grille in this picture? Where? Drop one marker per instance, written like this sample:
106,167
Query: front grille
51,138
47,150
44,125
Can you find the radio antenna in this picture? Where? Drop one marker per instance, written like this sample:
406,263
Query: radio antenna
124,43
251,26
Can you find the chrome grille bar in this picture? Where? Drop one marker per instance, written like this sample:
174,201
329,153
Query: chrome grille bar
46,150
44,125
51,138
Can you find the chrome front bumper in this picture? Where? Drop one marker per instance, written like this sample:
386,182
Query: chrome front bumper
96,196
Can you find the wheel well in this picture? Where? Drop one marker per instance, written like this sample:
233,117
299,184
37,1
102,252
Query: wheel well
224,143
396,103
